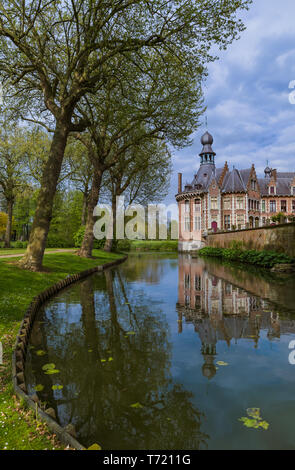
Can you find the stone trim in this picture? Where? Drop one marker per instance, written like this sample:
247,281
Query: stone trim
20,349
265,227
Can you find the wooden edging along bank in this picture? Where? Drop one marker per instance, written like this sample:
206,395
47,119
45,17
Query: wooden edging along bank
21,344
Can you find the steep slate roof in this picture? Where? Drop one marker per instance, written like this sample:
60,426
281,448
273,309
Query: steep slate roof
233,183
245,174
201,179
283,185
289,174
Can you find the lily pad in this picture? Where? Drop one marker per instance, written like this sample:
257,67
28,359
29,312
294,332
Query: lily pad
40,352
52,371
254,413
39,388
136,405
48,366
57,387
103,360
254,420
221,363
131,333
111,359
94,447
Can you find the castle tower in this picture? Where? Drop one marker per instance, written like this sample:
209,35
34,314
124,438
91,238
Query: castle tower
207,155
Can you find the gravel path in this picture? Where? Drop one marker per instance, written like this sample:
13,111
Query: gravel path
17,255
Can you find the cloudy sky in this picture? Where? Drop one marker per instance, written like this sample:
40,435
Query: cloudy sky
247,96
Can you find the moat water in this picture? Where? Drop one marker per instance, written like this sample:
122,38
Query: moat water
169,352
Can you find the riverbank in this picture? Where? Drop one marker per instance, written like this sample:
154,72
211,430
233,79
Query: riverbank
264,259
154,245
18,428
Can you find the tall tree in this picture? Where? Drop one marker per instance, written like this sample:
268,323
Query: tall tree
81,172
57,52
13,170
159,103
142,175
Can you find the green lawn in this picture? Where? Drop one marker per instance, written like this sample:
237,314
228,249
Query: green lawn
18,428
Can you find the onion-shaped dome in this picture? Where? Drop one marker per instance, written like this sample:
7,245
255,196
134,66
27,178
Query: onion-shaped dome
207,141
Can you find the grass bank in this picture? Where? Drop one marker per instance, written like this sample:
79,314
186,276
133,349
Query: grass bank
18,427
264,259
154,245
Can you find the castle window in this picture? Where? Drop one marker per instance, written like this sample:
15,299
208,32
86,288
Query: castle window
253,185
283,206
263,206
227,222
197,205
272,190
187,207
240,203
293,206
214,203
272,206
227,204
197,223
187,224
293,192
240,220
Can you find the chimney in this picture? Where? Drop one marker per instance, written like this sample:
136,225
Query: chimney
179,183
274,174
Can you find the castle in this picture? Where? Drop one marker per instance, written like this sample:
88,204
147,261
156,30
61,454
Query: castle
223,199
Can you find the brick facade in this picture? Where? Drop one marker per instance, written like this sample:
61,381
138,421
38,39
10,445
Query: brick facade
220,199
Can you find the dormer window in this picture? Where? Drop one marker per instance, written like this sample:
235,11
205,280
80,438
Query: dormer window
293,191
272,190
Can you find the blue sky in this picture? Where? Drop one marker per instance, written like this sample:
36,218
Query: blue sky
247,97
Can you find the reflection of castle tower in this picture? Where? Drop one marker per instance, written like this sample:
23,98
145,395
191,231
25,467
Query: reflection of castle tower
208,335
221,311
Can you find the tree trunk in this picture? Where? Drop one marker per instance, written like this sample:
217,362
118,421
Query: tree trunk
7,238
33,257
87,244
109,241
84,209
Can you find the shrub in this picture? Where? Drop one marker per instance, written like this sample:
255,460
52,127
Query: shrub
265,259
123,245
20,244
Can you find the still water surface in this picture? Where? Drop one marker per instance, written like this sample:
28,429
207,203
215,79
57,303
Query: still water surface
168,352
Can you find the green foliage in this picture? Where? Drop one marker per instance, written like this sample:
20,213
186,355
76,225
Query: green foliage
265,259
154,245
280,217
78,239
123,245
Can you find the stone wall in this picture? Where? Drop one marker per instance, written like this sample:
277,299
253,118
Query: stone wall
279,238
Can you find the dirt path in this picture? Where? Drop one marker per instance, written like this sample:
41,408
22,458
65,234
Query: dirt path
17,255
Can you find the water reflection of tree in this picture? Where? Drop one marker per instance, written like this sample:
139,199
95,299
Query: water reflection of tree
97,396
150,267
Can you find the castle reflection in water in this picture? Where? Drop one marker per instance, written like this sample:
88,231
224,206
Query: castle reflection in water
222,311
